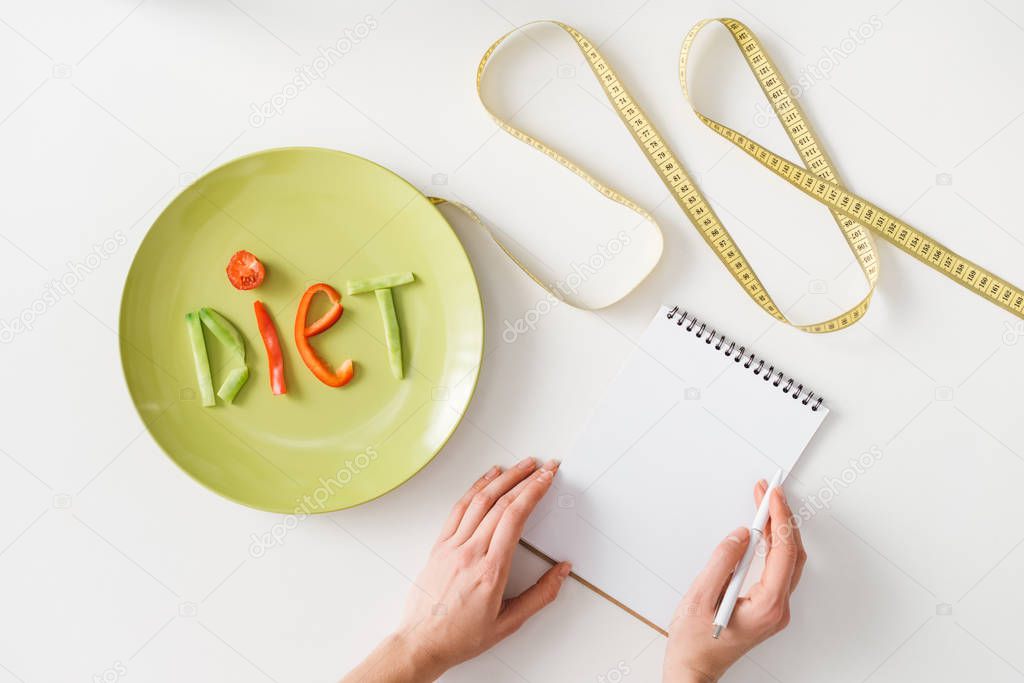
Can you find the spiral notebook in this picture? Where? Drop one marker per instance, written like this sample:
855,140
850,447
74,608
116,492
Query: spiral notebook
667,464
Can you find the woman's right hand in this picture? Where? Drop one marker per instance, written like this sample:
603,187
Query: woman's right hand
693,655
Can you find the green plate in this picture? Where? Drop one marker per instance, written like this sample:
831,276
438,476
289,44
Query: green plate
311,215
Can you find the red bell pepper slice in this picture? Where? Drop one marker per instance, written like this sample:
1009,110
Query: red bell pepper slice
319,368
330,317
275,358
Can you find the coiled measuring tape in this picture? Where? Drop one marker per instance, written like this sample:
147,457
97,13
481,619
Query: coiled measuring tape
856,217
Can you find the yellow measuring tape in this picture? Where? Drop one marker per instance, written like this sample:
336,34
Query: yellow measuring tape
856,217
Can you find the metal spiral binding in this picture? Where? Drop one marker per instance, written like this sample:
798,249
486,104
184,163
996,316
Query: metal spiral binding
776,377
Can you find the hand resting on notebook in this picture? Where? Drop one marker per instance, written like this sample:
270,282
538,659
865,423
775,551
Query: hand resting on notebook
456,609
693,655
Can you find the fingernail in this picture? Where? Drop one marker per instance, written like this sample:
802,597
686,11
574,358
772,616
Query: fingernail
740,535
526,463
564,570
762,484
777,492
551,464
545,475
492,473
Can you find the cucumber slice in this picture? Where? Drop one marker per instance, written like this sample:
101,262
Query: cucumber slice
375,283
200,358
392,333
223,330
235,380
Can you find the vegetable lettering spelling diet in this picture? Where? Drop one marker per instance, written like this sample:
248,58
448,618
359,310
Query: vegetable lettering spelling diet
246,272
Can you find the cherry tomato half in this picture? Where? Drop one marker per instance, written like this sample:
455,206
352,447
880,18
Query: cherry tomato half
245,271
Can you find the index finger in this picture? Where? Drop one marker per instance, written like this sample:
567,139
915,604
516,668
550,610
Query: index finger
510,526
781,561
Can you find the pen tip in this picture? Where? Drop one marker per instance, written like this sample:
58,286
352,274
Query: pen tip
717,632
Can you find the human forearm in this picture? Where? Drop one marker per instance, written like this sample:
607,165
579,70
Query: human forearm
396,660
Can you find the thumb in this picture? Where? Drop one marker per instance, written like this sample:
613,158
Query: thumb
711,582
538,596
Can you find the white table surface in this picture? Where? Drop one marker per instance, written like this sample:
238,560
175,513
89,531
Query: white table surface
115,565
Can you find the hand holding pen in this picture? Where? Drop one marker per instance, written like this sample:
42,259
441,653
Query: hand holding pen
739,575
693,653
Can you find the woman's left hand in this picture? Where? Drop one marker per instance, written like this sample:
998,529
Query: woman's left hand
456,610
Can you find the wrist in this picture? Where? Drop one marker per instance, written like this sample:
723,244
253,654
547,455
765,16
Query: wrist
686,674
698,677
417,657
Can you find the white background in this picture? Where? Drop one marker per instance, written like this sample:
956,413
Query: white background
115,565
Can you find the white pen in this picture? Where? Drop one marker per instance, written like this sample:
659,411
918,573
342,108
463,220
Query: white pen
732,593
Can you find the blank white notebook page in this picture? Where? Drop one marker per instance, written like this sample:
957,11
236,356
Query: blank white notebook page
667,465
